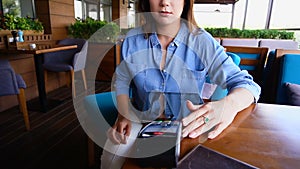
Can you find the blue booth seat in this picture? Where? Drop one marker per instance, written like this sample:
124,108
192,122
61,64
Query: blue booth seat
267,78
288,73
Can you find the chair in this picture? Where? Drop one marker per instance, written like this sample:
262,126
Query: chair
252,59
13,84
68,60
219,93
267,78
288,73
273,67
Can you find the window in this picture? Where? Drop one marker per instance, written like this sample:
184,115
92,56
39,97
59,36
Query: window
213,15
21,8
256,14
284,14
219,15
96,9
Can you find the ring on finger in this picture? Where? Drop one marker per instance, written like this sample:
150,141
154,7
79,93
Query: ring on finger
205,119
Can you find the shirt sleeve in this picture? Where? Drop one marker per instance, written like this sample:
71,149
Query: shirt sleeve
122,80
222,70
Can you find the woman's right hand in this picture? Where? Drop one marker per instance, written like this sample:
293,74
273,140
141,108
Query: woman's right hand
120,131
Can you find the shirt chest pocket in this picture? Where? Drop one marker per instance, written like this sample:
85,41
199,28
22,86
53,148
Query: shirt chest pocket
192,81
136,73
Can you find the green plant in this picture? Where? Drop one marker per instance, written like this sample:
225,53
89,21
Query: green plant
94,30
11,22
246,33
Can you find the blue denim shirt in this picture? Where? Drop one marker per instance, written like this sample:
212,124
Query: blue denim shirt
191,56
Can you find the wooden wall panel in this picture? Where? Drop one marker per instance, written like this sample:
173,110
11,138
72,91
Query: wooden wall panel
59,33
61,21
27,65
29,78
42,13
61,16
42,7
63,9
100,63
120,10
64,2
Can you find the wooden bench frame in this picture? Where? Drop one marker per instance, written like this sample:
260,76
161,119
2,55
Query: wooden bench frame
259,63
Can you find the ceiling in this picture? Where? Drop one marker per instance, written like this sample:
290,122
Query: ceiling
215,1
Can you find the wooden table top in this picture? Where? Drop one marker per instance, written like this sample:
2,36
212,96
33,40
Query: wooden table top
40,49
263,135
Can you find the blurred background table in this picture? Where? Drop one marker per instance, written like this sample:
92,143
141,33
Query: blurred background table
44,103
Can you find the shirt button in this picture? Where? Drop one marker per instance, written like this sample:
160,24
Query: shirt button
162,84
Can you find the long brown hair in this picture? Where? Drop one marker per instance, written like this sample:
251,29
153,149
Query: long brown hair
187,13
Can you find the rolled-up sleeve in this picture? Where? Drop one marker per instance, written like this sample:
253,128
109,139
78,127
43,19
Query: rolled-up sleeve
223,71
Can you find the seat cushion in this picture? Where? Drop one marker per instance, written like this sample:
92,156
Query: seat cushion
289,69
20,81
293,93
58,67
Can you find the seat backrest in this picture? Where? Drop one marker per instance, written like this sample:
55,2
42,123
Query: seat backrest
267,78
274,68
288,72
252,59
68,55
76,41
80,57
239,42
273,44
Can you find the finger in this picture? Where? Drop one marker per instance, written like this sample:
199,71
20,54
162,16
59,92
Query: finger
126,134
121,132
113,136
202,129
196,110
191,106
217,131
192,126
128,130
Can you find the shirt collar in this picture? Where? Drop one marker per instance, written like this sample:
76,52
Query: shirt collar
179,38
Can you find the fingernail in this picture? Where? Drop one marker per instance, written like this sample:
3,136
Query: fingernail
192,134
211,135
184,134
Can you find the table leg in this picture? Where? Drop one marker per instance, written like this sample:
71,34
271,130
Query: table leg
39,70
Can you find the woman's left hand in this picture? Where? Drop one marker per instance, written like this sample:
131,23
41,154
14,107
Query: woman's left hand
204,117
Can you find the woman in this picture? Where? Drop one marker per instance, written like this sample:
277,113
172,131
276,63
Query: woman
165,63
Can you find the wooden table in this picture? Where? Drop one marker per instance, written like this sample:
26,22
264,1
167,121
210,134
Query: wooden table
263,135
39,69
